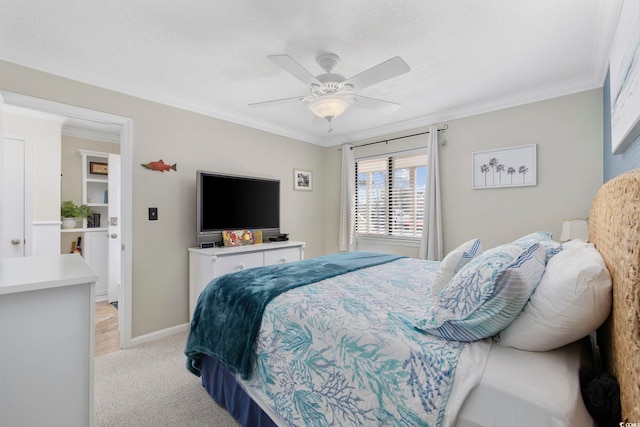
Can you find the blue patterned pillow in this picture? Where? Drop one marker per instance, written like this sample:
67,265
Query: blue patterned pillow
544,238
487,294
453,262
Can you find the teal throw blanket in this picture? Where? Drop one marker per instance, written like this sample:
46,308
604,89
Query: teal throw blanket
228,314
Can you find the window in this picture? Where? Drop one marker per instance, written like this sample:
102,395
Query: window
390,194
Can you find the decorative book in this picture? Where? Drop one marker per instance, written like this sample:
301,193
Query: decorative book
241,237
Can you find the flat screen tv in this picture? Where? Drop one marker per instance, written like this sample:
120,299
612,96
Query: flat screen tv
231,202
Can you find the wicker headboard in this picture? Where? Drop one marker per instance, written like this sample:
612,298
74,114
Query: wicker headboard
614,229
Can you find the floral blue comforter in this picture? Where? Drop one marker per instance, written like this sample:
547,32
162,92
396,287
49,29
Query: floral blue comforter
229,310
344,352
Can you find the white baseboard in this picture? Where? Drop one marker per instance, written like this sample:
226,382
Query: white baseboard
159,334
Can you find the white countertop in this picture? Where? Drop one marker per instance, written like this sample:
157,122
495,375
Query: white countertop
43,272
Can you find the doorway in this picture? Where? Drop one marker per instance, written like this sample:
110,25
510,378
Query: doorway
97,120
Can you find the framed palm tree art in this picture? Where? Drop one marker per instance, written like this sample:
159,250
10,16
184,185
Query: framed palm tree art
504,167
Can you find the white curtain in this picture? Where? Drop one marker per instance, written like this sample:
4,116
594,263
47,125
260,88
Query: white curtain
431,243
348,200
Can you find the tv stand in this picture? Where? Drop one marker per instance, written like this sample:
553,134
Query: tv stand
207,264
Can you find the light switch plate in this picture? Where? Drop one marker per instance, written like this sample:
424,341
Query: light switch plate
153,214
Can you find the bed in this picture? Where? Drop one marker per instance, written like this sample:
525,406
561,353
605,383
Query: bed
371,339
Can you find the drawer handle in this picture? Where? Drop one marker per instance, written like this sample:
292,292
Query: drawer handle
283,260
241,266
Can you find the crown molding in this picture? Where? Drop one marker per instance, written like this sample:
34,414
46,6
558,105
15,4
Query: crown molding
90,134
595,79
600,58
510,101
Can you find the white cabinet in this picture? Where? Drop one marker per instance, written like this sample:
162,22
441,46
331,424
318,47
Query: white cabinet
207,264
95,251
95,244
47,313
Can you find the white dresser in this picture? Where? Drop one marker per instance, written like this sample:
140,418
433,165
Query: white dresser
206,264
47,311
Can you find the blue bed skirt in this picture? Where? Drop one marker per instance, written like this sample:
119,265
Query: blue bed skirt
225,390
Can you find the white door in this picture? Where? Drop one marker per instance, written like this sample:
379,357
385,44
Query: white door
12,197
114,232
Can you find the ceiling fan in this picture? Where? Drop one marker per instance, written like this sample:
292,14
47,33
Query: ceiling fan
331,94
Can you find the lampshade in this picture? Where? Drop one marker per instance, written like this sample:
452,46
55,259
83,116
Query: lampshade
576,228
329,106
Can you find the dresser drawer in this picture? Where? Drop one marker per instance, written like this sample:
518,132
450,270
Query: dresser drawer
280,256
207,264
229,264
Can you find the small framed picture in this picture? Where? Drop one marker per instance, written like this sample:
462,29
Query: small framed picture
302,180
98,168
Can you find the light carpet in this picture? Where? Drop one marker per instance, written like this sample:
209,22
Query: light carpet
149,385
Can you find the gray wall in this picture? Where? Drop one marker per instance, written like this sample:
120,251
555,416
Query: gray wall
568,134
193,141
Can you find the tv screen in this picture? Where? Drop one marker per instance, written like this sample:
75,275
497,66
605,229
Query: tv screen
228,202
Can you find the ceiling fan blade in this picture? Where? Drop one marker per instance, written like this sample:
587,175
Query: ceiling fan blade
381,72
291,66
277,101
374,104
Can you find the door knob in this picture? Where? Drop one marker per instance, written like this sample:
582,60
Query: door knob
113,235
16,241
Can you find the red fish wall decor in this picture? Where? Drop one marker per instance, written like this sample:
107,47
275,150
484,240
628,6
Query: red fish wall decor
160,166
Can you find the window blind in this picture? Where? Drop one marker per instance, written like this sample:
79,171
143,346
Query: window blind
390,194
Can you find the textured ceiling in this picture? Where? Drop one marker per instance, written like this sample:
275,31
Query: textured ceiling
466,56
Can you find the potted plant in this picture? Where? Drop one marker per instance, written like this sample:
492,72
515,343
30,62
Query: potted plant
70,213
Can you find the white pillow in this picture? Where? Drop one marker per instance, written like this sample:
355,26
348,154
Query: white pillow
453,262
572,300
576,243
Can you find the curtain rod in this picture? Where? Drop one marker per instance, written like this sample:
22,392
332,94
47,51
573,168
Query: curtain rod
445,127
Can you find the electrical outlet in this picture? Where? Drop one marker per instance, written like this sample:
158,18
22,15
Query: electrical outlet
153,214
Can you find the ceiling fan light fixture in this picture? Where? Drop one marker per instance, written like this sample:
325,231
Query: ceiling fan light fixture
329,106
